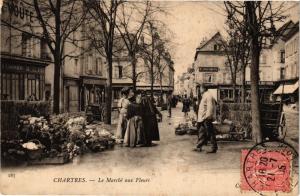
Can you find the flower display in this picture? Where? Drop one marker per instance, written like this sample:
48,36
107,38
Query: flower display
62,135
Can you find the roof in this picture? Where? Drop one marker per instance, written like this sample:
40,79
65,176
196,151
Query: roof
205,43
284,30
292,32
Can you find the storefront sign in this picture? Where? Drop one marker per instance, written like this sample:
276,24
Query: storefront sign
208,69
93,81
262,82
19,11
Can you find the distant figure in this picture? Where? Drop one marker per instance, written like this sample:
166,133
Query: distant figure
186,105
206,115
169,104
47,95
195,105
32,98
174,101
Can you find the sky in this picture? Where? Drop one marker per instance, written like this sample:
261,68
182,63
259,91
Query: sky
191,21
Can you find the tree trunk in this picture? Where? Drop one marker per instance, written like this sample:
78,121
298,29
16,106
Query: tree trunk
56,87
255,105
234,85
255,52
160,84
243,90
234,89
108,92
152,80
134,76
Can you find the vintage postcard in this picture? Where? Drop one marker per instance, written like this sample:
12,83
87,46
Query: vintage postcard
162,97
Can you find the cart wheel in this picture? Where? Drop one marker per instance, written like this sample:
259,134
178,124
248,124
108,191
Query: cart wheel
282,128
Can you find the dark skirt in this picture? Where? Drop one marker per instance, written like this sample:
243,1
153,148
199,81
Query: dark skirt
185,108
151,128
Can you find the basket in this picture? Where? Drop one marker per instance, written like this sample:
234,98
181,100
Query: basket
35,154
180,131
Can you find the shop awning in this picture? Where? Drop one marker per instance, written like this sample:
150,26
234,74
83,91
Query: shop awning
286,89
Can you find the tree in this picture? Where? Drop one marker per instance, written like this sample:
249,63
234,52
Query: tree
150,52
102,29
131,22
164,61
258,18
236,48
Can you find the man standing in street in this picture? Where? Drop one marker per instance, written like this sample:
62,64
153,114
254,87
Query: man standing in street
206,114
169,104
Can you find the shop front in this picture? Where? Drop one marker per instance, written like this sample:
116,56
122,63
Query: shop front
92,91
288,91
22,78
71,94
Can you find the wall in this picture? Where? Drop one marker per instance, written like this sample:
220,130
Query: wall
276,59
265,65
222,76
292,57
21,37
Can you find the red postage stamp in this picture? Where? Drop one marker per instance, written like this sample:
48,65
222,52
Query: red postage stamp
266,170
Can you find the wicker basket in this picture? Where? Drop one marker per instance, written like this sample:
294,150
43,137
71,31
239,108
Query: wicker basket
37,153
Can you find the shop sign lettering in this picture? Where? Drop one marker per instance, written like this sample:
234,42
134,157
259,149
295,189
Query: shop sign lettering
208,69
20,11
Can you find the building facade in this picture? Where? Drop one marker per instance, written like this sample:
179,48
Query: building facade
288,82
210,62
292,54
179,86
212,69
24,54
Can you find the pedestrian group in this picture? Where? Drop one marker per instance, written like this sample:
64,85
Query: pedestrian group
137,125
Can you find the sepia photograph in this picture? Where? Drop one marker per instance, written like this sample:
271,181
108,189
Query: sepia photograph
154,97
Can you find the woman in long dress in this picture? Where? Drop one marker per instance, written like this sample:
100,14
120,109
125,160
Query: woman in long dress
134,134
123,106
150,120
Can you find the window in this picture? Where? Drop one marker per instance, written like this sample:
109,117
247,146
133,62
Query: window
33,85
120,71
89,64
260,75
27,45
226,94
99,70
76,66
44,53
209,77
263,59
18,82
282,56
215,47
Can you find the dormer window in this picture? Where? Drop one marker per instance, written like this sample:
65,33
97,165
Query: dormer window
215,47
